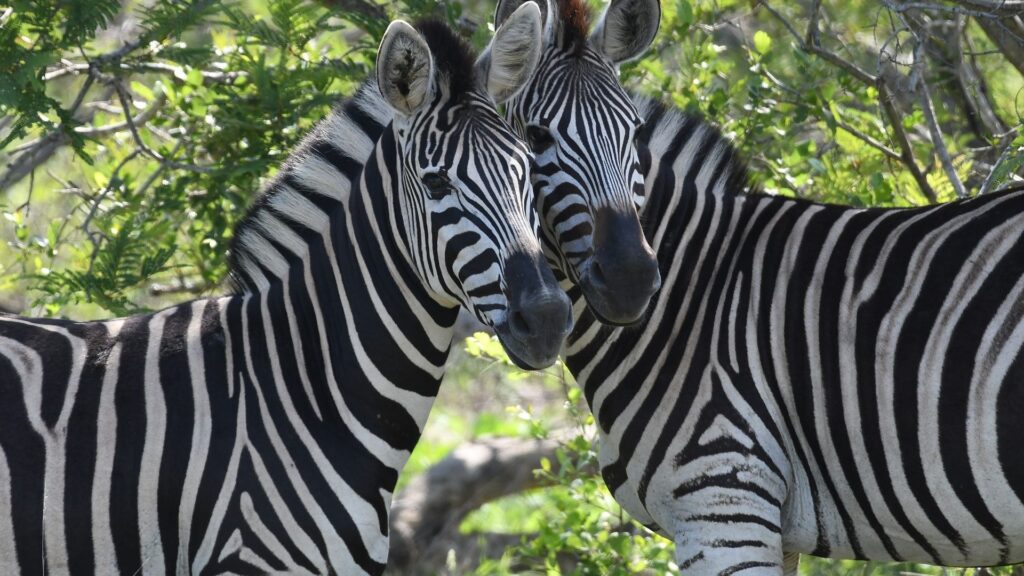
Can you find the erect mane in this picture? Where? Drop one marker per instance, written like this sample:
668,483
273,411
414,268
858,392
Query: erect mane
454,59
324,167
573,24
321,170
667,128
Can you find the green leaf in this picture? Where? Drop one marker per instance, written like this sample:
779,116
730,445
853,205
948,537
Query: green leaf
762,42
684,13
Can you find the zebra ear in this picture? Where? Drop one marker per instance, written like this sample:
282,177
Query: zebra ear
627,29
509,60
505,9
405,68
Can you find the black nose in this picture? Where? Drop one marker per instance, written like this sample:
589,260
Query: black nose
543,319
622,275
539,314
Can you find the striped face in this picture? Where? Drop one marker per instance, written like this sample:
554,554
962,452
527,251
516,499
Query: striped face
582,128
466,203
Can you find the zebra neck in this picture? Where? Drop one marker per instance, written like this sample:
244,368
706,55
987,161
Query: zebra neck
348,328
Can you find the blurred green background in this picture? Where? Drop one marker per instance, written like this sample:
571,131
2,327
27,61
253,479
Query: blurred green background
134,134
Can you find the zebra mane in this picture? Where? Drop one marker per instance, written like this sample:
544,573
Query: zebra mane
323,167
573,24
320,170
454,58
667,129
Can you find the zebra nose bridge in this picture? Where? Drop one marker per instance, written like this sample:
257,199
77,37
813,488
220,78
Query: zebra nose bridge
611,186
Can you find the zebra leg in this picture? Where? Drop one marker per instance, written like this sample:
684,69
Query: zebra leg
790,563
730,533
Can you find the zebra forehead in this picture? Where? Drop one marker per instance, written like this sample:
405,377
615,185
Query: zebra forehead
562,77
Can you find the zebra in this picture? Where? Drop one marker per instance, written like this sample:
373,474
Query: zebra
264,431
588,170
811,378
821,379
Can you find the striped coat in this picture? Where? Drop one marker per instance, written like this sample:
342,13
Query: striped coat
819,379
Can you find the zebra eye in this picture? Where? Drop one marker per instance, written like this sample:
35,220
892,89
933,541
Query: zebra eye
539,138
438,184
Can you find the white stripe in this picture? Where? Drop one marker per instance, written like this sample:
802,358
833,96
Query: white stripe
152,452
202,424
967,284
993,361
297,208
229,353
54,439
104,555
891,329
274,228
322,178
418,405
391,457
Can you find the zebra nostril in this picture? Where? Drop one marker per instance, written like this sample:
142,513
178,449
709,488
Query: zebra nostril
520,326
597,273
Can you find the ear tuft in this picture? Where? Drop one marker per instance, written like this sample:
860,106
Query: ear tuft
627,29
510,59
404,68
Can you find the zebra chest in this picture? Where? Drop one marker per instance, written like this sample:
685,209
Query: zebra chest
281,513
704,446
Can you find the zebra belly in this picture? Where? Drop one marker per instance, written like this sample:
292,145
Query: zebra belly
935,521
916,484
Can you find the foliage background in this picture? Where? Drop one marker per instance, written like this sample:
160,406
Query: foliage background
134,133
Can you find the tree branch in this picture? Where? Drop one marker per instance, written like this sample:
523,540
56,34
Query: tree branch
426,513
122,95
928,107
1000,32
811,43
1001,7
362,7
990,182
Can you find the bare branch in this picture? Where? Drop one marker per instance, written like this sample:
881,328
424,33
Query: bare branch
431,507
176,72
906,150
1001,7
986,123
866,138
140,120
122,95
29,160
363,7
1002,35
928,107
811,43
964,8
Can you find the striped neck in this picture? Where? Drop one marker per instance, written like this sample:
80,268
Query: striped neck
355,334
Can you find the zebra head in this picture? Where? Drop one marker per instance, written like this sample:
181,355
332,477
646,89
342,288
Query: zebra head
582,127
464,197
